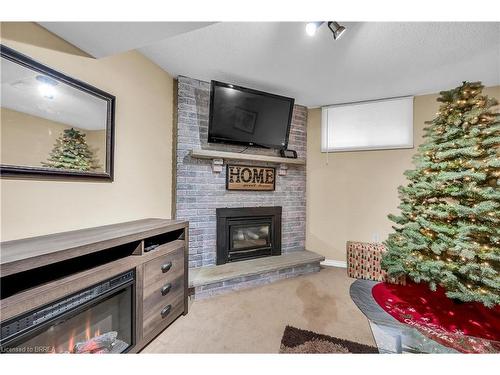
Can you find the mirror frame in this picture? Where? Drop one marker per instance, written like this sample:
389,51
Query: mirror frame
22,172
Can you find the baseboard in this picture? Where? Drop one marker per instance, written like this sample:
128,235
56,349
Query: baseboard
334,263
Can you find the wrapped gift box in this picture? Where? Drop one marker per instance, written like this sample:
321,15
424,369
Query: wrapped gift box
363,262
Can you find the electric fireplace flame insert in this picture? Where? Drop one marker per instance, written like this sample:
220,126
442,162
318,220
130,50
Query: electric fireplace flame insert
99,319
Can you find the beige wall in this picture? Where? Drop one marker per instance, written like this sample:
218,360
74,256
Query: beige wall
143,144
28,140
96,139
349,198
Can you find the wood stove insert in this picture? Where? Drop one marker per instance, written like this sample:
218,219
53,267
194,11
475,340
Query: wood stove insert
247,233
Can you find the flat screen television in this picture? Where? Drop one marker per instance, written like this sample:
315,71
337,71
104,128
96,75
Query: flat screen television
244,116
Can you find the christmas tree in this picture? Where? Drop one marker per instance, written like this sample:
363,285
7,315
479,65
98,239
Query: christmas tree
448,232
71,152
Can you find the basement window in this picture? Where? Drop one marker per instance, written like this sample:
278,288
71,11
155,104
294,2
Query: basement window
372,125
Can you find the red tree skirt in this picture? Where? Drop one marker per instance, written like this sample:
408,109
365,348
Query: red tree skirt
466,327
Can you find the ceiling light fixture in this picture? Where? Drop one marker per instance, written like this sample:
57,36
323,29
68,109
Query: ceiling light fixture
46,86
311,27
335,28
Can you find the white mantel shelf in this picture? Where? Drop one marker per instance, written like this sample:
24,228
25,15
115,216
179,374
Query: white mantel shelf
218,158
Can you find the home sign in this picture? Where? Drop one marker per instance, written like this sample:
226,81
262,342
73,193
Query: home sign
245,177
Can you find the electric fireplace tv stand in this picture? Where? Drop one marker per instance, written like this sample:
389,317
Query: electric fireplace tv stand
109,289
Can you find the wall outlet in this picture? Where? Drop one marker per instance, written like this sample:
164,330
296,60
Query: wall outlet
376,237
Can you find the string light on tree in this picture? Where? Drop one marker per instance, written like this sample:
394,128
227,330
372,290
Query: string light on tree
449,205
71,152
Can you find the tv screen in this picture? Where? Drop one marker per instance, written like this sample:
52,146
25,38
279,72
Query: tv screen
248,117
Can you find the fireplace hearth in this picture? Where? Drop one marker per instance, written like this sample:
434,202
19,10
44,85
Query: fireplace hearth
247,233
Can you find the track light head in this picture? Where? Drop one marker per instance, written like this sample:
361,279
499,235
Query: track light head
336,29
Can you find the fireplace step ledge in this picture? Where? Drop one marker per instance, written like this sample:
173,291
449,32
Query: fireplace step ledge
204,279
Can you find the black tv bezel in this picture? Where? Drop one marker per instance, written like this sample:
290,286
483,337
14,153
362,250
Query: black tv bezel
212,139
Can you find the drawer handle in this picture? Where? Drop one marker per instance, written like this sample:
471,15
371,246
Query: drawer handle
166,288
165,311
165,267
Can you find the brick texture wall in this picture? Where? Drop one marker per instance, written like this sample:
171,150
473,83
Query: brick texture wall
199,191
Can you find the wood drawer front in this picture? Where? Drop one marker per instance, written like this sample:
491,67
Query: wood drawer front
154,323
153,299
152,318
153,273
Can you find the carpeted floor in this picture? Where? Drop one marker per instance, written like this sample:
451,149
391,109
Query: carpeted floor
253,320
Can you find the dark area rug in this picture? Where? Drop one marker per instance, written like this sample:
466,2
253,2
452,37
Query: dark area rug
299,341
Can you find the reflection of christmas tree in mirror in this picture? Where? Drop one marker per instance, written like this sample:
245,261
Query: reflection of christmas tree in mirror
448,230
72,152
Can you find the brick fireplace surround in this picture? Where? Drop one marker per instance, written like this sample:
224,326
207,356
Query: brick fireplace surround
199,190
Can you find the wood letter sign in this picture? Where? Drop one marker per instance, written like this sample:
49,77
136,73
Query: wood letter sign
246,177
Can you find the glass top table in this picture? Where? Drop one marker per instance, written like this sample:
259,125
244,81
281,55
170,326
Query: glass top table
392,336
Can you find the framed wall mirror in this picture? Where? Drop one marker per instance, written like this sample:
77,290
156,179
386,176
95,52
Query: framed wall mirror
52,125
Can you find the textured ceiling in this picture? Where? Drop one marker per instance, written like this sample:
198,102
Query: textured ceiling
101,39
372,59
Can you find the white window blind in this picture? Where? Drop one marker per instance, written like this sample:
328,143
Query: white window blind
372,125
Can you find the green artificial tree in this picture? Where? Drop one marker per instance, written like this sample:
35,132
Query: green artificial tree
71,152
448,232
